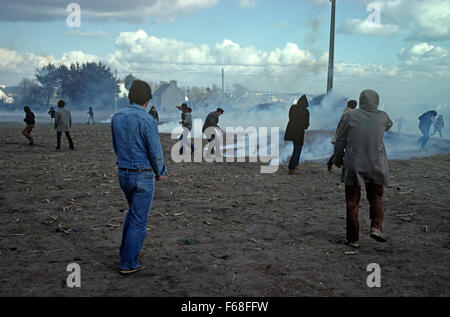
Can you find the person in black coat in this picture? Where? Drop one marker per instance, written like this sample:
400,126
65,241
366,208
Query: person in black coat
29,120
295,130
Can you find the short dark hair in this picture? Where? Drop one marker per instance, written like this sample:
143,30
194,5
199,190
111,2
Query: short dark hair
352,104
140,92
61,103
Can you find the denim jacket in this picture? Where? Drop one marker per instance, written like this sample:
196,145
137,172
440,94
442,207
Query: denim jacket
136,141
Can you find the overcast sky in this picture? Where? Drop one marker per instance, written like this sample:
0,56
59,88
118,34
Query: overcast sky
262,44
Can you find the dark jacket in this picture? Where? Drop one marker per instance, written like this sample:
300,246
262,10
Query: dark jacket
426,119
211,121
154,113
298,122
29,118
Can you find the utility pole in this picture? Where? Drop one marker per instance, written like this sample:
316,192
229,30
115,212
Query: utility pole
331,52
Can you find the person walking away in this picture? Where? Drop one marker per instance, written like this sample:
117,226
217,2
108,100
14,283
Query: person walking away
52,113
438,126
212,121
361,153
426,120
295,131
30,122
186,123
136,142
154,113
351,104
91,115
63,123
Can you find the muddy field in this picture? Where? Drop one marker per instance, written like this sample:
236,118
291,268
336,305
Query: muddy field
215,229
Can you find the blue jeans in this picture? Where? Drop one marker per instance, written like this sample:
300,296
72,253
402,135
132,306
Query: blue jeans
138,189
295,157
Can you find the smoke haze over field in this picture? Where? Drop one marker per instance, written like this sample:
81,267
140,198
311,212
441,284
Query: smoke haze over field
325,112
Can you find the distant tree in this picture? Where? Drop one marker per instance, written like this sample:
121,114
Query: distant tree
63,81
30,92
129,80
48,79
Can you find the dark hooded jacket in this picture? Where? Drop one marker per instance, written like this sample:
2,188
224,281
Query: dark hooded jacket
29,118
426,119
359,143
298,122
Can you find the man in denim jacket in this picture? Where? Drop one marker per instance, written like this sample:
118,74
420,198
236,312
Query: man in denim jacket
140,160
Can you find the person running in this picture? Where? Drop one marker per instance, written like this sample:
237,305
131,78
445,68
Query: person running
140,159
91,115
63,123
426,120
361,153
295,131
212,121
29,120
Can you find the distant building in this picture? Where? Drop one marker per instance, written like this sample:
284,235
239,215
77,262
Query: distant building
5,97
167,96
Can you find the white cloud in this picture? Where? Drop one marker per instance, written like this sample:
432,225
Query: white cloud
138,11
364,27
247,3
426,59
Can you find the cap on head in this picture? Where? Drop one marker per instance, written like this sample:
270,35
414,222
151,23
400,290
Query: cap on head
220,110
140,92
61,103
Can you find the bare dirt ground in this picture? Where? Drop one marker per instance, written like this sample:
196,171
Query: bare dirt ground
216,229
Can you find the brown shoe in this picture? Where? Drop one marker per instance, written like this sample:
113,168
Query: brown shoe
377,235
292,172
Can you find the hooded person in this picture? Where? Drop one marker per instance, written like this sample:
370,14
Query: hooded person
295,130
361,153
426,120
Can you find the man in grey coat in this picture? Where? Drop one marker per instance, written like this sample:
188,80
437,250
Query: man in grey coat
63,123
360,151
